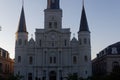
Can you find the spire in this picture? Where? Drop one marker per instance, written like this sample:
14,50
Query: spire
83,23
22,23
52,4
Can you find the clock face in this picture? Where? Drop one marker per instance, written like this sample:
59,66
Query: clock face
53,1
53,37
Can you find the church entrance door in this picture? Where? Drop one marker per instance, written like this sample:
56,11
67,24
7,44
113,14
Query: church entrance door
52,75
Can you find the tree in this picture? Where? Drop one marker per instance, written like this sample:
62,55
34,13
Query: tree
1,78
114,75
72,77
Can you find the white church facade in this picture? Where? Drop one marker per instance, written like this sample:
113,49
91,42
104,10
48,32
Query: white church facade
53,55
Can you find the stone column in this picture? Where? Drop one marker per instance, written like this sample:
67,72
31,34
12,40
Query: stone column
58,75
47,75
43,58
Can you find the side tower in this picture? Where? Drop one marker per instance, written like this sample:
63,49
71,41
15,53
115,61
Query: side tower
21,46
84,46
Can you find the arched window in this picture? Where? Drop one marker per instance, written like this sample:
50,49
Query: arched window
50,24
115,64
8,68
0,52
65,42
18,72
30,60
85,41
80,41
114,50
55,24
53,1
89,41
25,42
50,59
19,59
5,67
20,41
53,44
40,43
45,57
86,72
29,76
74,60
60,57
1,67
54,60
4,54
86,58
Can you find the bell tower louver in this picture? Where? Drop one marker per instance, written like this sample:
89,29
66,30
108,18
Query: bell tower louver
53,4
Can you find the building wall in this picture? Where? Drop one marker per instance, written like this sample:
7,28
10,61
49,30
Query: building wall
52,54
106,60
6,64
47,58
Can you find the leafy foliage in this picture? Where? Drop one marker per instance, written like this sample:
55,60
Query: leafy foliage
114,75
15,77
72,77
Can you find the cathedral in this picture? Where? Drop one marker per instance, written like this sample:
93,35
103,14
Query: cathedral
52,55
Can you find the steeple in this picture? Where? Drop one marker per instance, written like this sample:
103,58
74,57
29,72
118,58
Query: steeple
53,15
22,23
52,4
83,23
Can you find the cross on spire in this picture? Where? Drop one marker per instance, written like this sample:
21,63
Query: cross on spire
83,22
82,2
32,35
73,34
22,2
22,22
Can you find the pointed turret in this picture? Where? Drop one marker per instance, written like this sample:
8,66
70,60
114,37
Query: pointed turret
22,23
53,4
83,23
21,45
84,45
21,34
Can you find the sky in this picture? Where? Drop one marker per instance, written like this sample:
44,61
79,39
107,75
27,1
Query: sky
103,19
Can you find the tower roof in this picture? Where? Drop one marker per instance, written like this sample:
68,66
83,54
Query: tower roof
83,23
52,4
74,39
22,23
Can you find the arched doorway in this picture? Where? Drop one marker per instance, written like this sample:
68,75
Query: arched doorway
52,75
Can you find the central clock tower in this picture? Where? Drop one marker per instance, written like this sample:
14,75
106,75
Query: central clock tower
53,16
